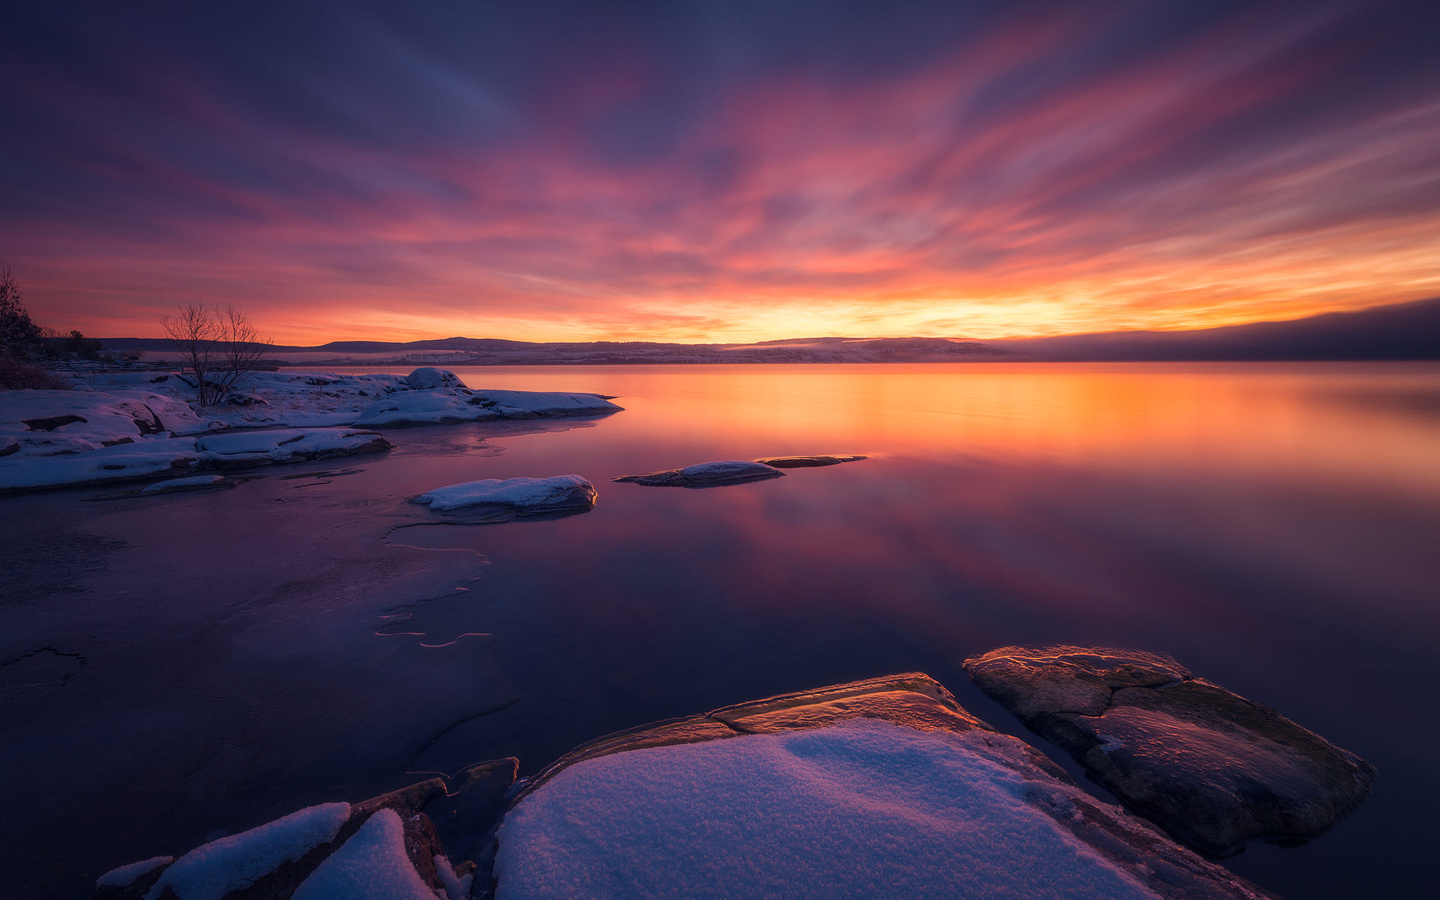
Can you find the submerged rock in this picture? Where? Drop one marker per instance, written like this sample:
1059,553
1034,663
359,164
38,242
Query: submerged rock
885,787
1211,767
525,496
807,462
711,474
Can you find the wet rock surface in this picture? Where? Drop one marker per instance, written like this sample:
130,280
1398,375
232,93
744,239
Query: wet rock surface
711,474
916,701
807,462
1211,767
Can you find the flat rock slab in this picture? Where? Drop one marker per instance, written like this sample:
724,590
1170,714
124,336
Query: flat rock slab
807,462
783,807
1211,767
711,474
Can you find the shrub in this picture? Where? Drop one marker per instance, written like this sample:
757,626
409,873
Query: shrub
16,375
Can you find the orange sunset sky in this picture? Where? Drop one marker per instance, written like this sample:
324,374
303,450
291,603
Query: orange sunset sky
718,171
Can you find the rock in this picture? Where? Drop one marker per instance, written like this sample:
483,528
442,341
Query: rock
242,449
1213,768
239,398
807,462
192,483
464,405
711,474
50,423
555,495
386,842
467,816
8,445
1030,787
428,378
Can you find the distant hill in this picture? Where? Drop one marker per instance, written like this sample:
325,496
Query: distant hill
1396,332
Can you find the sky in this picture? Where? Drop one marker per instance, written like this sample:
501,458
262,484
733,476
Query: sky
719,171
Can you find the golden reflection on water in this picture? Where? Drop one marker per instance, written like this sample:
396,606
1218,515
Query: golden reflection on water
1358,423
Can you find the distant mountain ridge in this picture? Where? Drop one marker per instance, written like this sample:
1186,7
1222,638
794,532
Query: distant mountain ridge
1397,331
1401,331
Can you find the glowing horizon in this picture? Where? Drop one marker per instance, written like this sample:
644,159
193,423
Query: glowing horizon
704,176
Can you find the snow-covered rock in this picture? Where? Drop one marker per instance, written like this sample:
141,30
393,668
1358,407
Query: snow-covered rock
269,399
544,404
463,405
51,423
526,496
386,847
711,474
155,458
124,876
425,408
51,439
879,788
282,445
1211,767
233,863
372,865
428,378
174,485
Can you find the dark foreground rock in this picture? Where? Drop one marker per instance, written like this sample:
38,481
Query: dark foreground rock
437,839
807,462
1213,768
391,846
711,474
917,702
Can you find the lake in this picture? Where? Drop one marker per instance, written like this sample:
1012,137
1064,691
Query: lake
182,666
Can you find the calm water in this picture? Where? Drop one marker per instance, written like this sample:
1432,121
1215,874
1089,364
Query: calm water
216,660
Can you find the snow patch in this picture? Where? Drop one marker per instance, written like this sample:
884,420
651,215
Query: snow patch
233,863
456,887
372,865
124,876
862,809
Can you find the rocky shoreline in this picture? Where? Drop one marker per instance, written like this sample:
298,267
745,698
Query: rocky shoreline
483,833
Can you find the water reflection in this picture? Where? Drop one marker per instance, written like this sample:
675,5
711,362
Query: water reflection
1274,538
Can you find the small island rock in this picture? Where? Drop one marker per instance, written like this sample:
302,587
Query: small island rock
711,474
1211,767
807,462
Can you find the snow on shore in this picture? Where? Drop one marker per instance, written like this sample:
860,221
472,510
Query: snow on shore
862,809
137,425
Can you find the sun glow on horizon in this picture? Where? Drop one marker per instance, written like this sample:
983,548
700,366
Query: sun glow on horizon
1213,170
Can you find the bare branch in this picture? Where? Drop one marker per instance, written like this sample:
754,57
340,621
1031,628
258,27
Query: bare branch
220,347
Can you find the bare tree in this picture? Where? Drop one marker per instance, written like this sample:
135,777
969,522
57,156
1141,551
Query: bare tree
219,346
